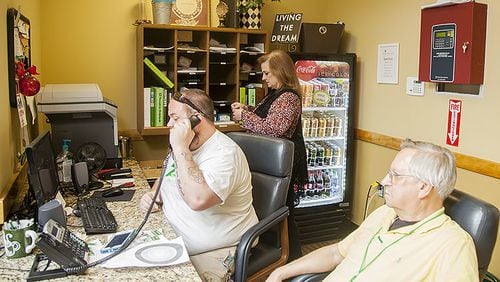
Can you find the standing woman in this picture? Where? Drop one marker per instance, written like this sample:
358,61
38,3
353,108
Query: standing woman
278,115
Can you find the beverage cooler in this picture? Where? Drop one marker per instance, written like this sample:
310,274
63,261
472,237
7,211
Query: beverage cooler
327,83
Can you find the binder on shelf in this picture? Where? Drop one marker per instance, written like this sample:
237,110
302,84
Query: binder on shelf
251,97
157,73
152,116
243,97
159,109
147,107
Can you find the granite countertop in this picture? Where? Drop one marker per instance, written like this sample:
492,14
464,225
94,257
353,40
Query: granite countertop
128,216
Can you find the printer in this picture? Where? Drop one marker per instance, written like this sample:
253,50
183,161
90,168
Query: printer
80,113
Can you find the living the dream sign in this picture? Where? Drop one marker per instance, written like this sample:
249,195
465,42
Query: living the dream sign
286,28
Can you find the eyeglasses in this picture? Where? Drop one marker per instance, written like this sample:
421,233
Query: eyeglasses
181,99
394,175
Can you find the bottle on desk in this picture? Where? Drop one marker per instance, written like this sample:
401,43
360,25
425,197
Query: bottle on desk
64,162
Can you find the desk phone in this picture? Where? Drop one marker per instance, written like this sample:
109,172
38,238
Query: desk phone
62,246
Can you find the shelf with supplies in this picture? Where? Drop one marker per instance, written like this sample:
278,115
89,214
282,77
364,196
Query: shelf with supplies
217,60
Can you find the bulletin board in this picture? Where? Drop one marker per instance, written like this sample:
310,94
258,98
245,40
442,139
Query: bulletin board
18,48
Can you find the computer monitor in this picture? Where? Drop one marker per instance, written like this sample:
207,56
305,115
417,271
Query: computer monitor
42,170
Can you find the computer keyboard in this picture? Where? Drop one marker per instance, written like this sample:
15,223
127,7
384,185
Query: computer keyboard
96,216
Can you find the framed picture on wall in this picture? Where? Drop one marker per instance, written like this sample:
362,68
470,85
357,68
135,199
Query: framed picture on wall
190,12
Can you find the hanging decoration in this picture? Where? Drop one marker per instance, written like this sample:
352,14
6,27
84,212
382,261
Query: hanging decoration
28,84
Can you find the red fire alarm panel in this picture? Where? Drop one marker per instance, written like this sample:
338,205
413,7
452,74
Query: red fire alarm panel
452,43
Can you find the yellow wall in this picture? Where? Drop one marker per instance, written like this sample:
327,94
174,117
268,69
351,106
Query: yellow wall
94,41
10,143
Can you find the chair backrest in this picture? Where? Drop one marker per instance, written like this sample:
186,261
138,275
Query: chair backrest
479,219
270,160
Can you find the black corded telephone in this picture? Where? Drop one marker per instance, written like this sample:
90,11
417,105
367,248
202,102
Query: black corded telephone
194,120
62,246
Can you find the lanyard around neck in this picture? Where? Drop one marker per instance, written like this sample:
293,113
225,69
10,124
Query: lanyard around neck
362,267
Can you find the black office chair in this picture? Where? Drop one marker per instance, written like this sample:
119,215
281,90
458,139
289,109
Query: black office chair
477,217
270,161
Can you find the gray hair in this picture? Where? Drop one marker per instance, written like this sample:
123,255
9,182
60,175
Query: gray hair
434,165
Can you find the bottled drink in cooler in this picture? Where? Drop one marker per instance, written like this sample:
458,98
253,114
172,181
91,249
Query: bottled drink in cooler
311,184
322,126
329,126
334,181
326,184
314,127
336,154
320,155
319,184
306,123
311,161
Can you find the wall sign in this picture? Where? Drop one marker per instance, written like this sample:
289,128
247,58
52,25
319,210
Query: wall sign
387,63
454,117
286,28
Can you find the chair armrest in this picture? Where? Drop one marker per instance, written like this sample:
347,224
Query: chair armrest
244,247
310,277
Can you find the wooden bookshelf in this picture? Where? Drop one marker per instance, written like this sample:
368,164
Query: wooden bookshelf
185,55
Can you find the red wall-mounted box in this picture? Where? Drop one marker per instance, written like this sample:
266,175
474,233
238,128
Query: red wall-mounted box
469,30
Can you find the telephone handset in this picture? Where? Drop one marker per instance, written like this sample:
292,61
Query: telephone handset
194,120
62,246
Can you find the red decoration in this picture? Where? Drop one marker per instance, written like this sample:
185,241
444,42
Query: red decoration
28,84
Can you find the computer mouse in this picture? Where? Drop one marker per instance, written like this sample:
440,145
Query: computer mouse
112,192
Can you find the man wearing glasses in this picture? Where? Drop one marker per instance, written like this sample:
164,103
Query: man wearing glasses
205,190
410,238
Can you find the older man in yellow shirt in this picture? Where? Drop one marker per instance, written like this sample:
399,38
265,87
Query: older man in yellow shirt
408,239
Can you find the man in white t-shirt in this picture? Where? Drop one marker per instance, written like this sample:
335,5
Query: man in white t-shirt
206,190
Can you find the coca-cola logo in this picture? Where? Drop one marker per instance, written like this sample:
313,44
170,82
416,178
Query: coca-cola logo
306,70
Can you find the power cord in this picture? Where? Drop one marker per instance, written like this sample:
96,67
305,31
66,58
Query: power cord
130,239
369,198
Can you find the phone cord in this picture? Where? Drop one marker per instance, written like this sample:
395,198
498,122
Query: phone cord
130,239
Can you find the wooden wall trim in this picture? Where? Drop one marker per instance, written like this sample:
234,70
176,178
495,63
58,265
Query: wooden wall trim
477,165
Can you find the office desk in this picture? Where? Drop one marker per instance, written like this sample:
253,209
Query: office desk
128,216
